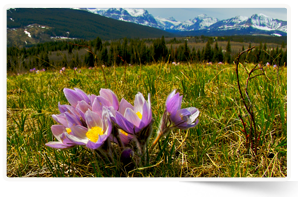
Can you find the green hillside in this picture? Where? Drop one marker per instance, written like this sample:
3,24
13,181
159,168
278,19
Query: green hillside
78,24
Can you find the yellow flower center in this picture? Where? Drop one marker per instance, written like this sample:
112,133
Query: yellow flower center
68,130
123,132
139,115
94,133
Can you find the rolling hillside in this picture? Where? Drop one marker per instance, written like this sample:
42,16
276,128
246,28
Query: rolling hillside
63,22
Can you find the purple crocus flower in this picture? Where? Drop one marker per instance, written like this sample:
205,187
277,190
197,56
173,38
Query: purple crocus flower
63,68
133,119
76,95
175,117
274,66
60,132
180,118
75,68
97,132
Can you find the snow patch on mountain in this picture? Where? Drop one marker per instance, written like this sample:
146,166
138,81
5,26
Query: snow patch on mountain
135,12
201,22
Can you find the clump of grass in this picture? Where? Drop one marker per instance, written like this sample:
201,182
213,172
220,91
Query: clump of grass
215,148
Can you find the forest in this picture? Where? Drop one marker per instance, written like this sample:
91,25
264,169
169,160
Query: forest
83,53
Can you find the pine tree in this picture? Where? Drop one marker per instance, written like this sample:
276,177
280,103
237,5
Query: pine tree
208,55
97,44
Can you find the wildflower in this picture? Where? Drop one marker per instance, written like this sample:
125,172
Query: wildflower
268,64
63,68
61,71
76,95
43,70
90,67
75,68
127,159
60,132
37,71
133,122
133,119
97,132
181,118
175,117
274,66
103,66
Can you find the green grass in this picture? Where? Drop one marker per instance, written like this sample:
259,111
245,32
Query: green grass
214,148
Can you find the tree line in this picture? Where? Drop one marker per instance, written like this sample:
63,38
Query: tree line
134,52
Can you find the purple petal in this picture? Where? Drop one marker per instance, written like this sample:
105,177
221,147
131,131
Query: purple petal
124,124
132,117
62,108
84,95
139,102
60,118
110,96
59,145
173,103
71,120
57,131
96,145
72,96
92,119
123,105
92,97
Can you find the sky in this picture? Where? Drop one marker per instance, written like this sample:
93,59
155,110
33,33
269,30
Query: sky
183,14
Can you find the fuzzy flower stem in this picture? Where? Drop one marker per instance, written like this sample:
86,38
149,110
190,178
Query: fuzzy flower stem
155,141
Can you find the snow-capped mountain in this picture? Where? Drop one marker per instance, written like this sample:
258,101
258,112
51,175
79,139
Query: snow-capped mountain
138,16
258,22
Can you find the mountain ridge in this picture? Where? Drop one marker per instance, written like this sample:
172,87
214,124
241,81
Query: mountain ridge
200,22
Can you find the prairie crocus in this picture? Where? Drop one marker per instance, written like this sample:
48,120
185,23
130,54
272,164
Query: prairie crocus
75,68
181,118
63,68
76,95
60,132
134,122
133,119
97,132
175,117
274,66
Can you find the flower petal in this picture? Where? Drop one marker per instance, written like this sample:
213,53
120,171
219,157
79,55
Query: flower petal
84,95
139,102
57,131
110,96
92,119
132,117
72,96
59,145
123,105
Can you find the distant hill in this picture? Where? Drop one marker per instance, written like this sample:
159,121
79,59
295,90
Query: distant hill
50,23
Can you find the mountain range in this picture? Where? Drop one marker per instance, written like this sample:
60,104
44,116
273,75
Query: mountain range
257,23
30,26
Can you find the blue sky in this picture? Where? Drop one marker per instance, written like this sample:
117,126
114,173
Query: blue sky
183,14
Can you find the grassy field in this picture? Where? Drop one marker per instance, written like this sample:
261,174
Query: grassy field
216,147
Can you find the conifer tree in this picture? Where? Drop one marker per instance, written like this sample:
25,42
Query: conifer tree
208,55
97,44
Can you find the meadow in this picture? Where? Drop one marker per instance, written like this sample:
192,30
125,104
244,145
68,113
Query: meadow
216,147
